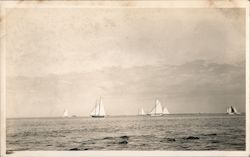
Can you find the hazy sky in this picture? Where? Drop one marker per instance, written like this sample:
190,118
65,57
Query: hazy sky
192,60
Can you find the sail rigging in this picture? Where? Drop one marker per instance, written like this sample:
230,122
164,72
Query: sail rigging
157,110
232,110
98,110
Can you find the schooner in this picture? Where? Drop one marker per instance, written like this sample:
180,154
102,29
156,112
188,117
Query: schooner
98,111
157,110
232,110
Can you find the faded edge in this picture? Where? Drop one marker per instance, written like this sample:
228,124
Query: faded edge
3,82
3,93
247,80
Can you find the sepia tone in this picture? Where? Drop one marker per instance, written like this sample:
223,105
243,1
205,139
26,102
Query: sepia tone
125,79
128,56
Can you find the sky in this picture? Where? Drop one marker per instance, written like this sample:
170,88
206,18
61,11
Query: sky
192,60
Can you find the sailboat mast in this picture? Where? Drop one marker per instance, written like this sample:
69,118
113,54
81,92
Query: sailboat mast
96,106
155,106
100,105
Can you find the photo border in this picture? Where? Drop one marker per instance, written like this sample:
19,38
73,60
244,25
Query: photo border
116,4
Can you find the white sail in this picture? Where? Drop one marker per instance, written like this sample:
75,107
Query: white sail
157,110
101,109
141,112
158,107
66,113
232,110
95,110
165,110
235,111
98,110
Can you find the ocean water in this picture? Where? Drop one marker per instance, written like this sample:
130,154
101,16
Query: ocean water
171,132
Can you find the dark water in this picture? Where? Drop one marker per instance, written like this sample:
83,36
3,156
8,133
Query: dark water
172,132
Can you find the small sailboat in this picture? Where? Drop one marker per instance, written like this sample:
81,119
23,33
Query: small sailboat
65,113
141,112
236,112
165,110
98,111
157,110
232,110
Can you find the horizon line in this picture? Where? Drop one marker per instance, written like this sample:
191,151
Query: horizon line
242,113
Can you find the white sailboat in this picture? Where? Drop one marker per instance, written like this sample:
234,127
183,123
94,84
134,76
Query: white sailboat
65,113
141,112
232,110
98,111
236,112
165,110
157,110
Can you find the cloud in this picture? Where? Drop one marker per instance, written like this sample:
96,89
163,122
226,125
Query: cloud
93,39
191,59
126,89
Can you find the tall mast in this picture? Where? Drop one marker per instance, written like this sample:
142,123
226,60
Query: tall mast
155,105
100,104
96,106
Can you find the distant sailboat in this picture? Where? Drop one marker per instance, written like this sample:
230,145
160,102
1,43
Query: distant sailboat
98,111
232,110
65,113
157,110
165,110
141,112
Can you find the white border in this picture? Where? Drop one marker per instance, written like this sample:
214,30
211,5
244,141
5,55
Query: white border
2,84
119,4
247,81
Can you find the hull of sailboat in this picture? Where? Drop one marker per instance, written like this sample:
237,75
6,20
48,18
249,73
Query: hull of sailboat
233,113
97,116
156,115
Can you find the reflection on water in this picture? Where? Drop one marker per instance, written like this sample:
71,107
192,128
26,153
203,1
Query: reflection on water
171,132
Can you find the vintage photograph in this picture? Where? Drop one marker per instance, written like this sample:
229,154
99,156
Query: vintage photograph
125,79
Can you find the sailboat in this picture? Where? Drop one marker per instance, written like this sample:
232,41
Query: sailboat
165,110
232,110
65,113
157,110
98,111
141,112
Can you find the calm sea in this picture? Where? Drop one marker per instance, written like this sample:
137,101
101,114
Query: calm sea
171,132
